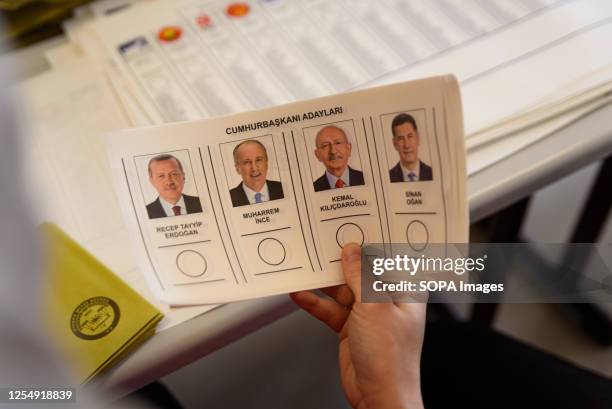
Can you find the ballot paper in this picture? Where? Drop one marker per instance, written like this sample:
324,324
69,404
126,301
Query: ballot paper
191,59
261,203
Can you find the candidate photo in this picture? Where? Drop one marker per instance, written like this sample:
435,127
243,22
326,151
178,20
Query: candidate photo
333,150
406,140
251,162
167,176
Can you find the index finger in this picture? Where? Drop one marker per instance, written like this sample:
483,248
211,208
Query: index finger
341,293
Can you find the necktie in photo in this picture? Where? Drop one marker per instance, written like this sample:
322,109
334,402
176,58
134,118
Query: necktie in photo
176,210
412,176
339,183
258,197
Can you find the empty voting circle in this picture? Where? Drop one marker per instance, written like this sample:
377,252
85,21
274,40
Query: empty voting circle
349,233
417,235
191,263
271,251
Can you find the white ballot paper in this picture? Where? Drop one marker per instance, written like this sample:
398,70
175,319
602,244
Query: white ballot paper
261,203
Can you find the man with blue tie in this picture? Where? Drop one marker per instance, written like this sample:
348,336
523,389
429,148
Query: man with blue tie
333,150
406,142
251,162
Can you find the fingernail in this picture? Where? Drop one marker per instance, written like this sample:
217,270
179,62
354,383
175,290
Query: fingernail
352,253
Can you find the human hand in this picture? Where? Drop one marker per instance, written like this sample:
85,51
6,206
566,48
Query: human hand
379,343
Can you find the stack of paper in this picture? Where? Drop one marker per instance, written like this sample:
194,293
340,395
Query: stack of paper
134,63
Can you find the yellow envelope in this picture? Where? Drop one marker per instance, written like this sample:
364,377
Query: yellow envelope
93,315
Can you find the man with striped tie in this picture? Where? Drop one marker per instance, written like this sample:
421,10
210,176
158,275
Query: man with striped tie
406,142
251,161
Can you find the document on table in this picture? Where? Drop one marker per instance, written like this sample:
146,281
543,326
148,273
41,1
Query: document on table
193,59
261,203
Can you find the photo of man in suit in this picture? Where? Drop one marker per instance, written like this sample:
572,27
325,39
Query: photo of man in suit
406,142
251,161
168,178
333,150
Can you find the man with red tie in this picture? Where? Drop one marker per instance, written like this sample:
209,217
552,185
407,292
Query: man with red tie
168,178
333,150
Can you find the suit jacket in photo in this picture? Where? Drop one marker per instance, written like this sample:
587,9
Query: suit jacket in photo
239,197
355,178
192,205
425,173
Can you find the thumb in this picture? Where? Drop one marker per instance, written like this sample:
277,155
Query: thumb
351,267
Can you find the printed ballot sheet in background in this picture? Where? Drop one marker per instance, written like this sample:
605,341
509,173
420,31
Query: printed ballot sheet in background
195,58
188,59
230,247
